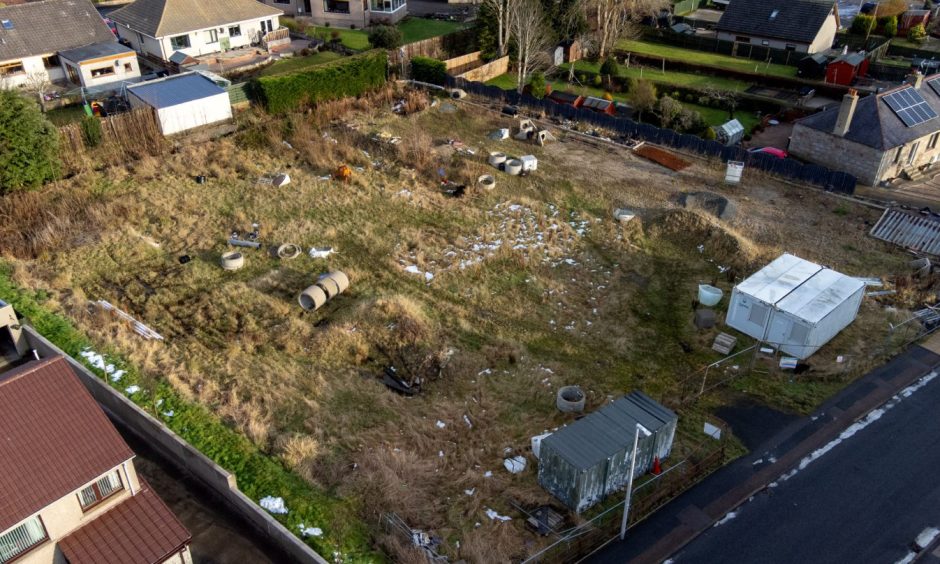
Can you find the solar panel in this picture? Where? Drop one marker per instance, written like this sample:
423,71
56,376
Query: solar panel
935,84
910,107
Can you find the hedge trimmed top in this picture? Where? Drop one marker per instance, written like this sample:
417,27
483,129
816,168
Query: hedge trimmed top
350,76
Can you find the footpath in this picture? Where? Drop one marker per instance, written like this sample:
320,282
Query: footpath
681,521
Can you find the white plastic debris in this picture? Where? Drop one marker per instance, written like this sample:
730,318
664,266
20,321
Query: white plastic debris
310,531
273,505
169,413
117,375
471,491
467,421
515,465
321,252
440,424
488,474
132,389
496,516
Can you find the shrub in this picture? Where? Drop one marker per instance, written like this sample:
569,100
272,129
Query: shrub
350,76
890,28
91,131
917,33
608,96
598,80
709,134
582,78
290,23
334,36
426,69
863,24
385,37
537,84
610,67
28,144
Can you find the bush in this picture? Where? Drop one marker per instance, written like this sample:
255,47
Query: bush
610,67
863,24
426,69
608,96
350,76
582,78
917,33
91,131
385,37
537,85
598,80
890,28
290,23
28,144
709,134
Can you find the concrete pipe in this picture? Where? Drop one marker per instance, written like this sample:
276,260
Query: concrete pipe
329,286
570,399
487,182
242,243
513,167
312,298
340,278
232,261
288,251
497,159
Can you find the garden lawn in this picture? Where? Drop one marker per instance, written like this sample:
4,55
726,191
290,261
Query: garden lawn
417,29
353,38
671,52
66,114
299,63
672,78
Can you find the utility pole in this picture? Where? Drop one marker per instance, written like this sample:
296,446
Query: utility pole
626,502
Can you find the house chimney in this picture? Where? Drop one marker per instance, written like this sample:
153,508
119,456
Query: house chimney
916,79
846,111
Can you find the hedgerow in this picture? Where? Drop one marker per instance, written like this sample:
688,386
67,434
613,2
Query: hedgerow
425,69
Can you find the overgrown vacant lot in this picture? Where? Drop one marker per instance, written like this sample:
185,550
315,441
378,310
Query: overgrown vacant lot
495,299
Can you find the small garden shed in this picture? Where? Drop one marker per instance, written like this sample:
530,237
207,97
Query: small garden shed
583,463
812,67
846,68
795,305
182,101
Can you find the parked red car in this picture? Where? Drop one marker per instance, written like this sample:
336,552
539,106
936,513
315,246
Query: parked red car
779,153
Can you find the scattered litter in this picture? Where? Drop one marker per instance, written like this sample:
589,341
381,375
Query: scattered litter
623,215
496,516
412,269
840,359
726,518
281,180
471,491
169,413
440,424
873,281
117,375
273,505
515,464
877,293
440,453
288,251
310,531
485,372
788,362
766,350
232,261
131,390
545,520
321,252
488,474
467,421
139,328
185,259
500,134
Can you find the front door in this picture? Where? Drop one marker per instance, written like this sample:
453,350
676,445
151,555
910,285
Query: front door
307,6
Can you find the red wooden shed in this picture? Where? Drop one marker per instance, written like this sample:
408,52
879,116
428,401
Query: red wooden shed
845,69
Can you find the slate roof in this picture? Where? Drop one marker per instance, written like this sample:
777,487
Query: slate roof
95,51
141,529
796,20
160,18
175,90
875,124
41,28
53,438
851,59
597,436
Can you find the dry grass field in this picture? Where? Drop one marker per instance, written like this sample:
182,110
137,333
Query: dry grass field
494,299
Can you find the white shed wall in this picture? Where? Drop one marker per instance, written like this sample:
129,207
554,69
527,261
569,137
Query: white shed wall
194,114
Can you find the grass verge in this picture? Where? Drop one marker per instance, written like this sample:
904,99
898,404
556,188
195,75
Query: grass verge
299,63
673,53
672,78
355,39
258,475
418,29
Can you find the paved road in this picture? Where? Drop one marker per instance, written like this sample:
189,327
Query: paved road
865,500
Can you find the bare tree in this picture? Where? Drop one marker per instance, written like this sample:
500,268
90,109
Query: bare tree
531,35
37,83
618,18
502,11
729,100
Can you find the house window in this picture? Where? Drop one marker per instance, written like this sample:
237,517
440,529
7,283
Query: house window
51,61
100,490
282,1
335,7
932,144
235,31
790,47
140,39
22,538
897,156
765,42
213,36
11,68
128,67
179,42
913,153
387,5
742,39
103,71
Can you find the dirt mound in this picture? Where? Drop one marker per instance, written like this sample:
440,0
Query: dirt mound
697,231
713,203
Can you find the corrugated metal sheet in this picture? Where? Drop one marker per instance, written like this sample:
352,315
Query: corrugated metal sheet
585,461
175,90
909,230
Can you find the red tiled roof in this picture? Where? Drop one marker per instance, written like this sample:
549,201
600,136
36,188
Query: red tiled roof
139,530
53,438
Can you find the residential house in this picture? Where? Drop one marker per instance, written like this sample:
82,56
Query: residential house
70,492
877,137
100,65
160,28
32,34
345,13
803,26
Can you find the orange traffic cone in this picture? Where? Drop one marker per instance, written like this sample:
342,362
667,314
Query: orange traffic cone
657,468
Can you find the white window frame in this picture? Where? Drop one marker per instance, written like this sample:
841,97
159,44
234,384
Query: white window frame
22,538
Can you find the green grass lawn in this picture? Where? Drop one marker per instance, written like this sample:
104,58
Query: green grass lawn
298,63
353,38
416,29
698,57
712,116
65,114
673,78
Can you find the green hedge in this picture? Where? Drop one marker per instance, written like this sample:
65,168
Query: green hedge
350,76
257,474
425,69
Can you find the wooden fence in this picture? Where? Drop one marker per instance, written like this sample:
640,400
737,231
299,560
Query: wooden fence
442,47
135,133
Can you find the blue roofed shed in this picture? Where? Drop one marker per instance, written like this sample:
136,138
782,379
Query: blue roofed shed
182,101
583,463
